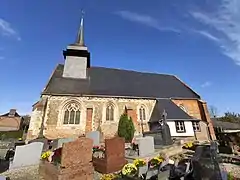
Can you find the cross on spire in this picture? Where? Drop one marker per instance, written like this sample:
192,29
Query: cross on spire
80,36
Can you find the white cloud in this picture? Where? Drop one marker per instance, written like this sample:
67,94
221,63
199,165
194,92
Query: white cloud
225,25
206,84
208,35
7,30
144,19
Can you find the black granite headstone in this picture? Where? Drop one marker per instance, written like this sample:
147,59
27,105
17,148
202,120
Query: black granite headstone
206,163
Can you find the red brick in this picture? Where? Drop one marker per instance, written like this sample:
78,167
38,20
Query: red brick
88,127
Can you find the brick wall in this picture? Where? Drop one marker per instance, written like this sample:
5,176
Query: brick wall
89,120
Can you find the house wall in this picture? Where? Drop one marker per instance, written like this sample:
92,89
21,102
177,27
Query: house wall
9,123
188,126
198,109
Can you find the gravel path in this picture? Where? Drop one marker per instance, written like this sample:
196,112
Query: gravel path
31,173
234,169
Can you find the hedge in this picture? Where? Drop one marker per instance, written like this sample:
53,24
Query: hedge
11,134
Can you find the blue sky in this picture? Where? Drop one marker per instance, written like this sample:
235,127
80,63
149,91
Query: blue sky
196,40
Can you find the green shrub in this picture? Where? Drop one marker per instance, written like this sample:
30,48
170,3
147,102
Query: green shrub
126,128
11,134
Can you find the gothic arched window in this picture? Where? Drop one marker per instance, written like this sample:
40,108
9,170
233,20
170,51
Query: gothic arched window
110,113
142,113
72,113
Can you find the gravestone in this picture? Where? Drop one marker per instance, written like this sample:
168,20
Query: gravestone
95,136
114,159
41,140
145,145
27,155
58,143
157,135
206,163
75,164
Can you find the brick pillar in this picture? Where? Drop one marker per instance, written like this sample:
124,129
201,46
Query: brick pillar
133,114
208,119
88,126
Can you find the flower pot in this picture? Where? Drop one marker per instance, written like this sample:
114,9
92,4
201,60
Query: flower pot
142,170
152,172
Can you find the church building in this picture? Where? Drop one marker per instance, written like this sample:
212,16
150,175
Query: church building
80,97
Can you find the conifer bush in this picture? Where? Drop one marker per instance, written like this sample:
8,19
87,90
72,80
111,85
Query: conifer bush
126,128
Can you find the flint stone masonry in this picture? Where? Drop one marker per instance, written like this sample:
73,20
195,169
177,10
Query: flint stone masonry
53,116
93,114
27,155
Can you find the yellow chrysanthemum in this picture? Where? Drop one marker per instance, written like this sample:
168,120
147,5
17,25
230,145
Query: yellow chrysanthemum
108,177
129,169
139,162
188,145
46,154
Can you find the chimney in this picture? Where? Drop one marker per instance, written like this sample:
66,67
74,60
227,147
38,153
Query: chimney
12,112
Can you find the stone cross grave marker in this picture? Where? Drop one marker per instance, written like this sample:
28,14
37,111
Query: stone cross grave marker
27,155
145,145
95,136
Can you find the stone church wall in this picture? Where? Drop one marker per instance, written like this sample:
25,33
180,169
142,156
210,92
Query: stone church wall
93,114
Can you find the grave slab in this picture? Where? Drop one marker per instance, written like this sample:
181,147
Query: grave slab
27,155
145,145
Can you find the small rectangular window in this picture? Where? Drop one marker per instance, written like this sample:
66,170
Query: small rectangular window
180,127
196,126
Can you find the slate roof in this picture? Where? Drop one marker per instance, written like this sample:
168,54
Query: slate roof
173,111
225,125
116,82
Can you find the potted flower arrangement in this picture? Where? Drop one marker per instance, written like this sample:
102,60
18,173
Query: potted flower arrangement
129,171
141,165
109,176
189,146
46,156
98,151
155,162
98,148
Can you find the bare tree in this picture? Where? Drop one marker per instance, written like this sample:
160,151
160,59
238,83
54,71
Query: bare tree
213,111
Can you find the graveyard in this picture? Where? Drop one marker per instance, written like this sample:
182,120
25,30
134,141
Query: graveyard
87,157
152,155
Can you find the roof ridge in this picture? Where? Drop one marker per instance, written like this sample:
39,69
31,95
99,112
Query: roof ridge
131,70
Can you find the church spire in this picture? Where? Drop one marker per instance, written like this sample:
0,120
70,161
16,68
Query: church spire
80,36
